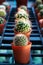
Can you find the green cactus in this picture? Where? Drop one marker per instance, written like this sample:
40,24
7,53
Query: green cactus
2,13
38,2
41,12
1,20
21,14
20,40
40,6
24,8
23,27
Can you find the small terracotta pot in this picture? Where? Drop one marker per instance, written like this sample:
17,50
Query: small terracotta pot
2,27
41,23
21,2
27,34
22,53
39,16
36,10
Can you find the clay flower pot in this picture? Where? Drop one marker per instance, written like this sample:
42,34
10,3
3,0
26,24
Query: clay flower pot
21,2
41,23
36,10
2,27
27,34
22,53
38,16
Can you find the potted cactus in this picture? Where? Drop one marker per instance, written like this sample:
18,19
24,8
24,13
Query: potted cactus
2,13
2,24
23,7
7,5
40,14
21,49
23,27
21,2
39,7
38,2
21,15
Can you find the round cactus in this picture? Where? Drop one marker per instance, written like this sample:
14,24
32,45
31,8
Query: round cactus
1,20
20,40
22,27
40,6
2,12
23,7
38,2
21,14
41,12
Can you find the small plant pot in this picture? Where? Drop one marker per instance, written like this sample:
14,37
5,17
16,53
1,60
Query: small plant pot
38,16
2,27
22,53
41,23
27,34
21,2
36,10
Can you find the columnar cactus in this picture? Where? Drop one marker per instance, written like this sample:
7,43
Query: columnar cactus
38,2
21,14
41,12
20,40
1,20
40,6
23,27
2,12
23,7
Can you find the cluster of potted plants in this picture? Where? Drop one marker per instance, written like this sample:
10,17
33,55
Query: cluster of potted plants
4,10
39,12
21,44
2,18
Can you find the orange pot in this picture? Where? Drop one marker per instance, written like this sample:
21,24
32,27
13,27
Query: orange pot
38,16
36,10
1,28
41,23
21,2
27,34
22,53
